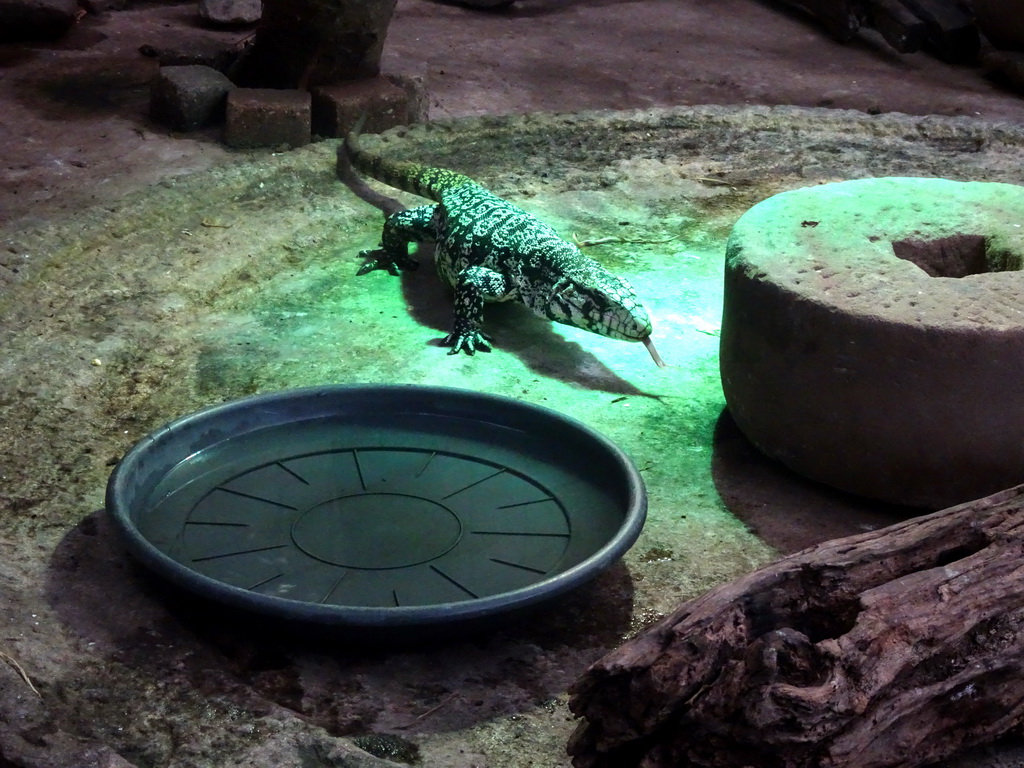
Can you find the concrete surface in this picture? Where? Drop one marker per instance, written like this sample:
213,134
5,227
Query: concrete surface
127,302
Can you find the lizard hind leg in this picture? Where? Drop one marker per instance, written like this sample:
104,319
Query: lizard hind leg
400,229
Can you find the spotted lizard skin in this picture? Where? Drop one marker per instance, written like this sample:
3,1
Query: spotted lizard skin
489,250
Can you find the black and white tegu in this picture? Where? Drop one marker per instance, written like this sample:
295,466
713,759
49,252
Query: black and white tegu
488,250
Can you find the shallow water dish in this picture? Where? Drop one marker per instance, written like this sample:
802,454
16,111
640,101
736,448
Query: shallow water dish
377,508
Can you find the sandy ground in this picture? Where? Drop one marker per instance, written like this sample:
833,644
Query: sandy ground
98,263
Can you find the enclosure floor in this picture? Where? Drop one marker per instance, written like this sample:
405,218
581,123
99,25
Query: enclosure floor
150,274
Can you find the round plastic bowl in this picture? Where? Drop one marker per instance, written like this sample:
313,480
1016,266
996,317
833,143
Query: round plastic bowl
377,507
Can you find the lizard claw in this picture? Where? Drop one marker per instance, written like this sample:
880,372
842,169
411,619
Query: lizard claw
468,342
379,259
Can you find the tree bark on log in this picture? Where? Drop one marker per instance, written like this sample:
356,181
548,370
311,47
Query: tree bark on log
897,647
301,43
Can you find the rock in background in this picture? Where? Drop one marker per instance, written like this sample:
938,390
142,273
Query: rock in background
230,12
36,19
189,97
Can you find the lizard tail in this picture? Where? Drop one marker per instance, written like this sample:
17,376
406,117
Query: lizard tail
422,180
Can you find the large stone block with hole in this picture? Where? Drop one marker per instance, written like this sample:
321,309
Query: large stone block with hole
267,117
387,101
873,336
188,97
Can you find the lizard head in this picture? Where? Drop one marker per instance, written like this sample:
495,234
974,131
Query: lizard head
571,288
588,296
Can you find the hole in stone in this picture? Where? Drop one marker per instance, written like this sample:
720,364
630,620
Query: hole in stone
957,256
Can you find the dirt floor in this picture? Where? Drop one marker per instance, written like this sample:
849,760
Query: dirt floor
123,310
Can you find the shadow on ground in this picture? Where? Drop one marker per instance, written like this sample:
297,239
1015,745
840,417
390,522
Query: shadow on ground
784,509
418,685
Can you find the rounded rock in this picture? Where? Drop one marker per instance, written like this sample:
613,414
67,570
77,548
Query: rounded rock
873,336
230,12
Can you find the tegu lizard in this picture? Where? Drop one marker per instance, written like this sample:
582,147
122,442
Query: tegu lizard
489,250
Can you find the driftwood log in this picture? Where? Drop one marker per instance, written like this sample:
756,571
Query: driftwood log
897,647
946,27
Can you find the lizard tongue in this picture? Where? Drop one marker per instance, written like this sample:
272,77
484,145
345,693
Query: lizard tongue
654,353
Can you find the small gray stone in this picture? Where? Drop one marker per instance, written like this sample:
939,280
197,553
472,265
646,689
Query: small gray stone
233,12
36,19
337,107
267,117
188,97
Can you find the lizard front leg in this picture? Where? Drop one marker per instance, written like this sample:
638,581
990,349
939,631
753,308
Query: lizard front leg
400,229
473,287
